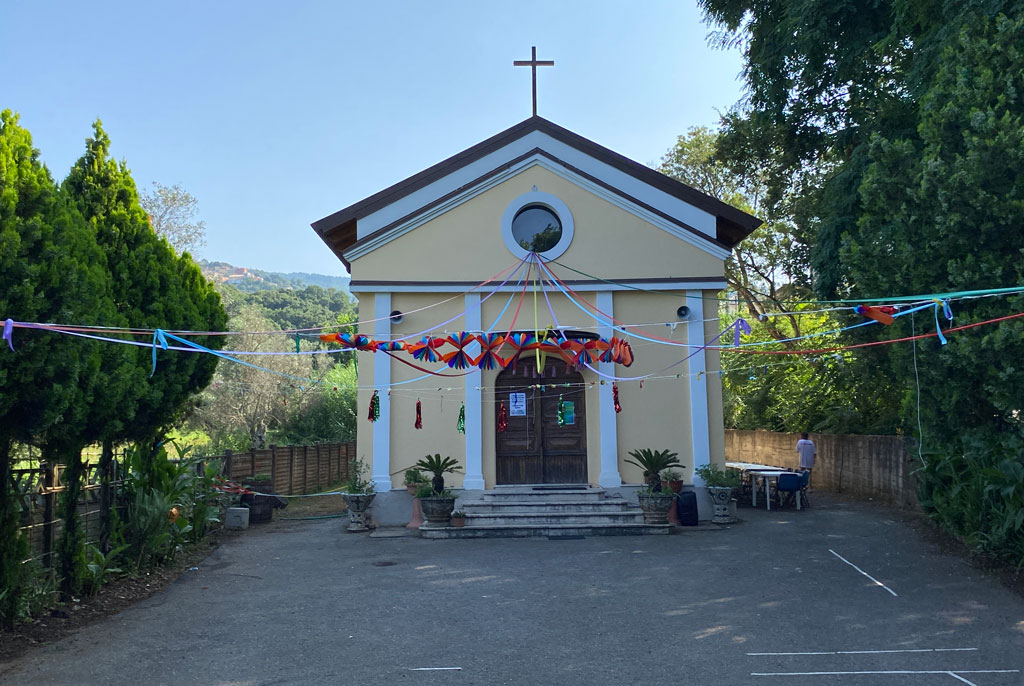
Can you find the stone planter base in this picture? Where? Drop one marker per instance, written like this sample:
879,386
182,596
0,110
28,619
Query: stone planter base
655,507
720,497
358,504
438,511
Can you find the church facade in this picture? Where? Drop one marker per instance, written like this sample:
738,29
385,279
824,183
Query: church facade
543,302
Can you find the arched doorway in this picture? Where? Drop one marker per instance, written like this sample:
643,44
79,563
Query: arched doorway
535,449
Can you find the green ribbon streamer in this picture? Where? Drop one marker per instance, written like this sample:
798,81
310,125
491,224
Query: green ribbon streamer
461,424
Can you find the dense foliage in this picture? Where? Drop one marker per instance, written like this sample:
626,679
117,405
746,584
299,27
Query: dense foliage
84,254
900,125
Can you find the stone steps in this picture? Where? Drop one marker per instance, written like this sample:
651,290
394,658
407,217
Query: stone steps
545,511
545,530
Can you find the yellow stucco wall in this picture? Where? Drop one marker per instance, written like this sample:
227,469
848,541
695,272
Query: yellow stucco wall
465,243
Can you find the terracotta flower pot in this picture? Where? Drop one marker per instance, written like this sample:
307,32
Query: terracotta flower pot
676,485
458,521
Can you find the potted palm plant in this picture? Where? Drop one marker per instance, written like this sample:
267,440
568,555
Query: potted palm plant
720,484
357,494
654,502
437,502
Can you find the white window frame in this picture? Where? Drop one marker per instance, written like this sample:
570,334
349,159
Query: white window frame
548,201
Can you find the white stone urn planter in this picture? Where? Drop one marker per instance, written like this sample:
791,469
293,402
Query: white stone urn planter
358,504
720,497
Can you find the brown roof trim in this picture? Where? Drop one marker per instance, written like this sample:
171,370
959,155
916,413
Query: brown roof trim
355,284
733,224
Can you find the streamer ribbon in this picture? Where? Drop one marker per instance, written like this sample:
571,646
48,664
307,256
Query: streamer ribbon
9,333
740,323
948,313
159,338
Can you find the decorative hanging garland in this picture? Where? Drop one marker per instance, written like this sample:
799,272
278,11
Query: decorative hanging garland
461,424
374,413
577,352
502,418
615,398
560,415
419,414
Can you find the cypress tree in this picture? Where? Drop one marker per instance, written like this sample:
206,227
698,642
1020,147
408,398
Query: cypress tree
52,271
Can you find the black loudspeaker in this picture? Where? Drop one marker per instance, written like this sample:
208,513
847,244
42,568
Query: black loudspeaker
396,317
683,312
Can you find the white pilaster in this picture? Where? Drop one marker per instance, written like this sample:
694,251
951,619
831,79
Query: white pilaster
698,383
381,473
609,477
474,478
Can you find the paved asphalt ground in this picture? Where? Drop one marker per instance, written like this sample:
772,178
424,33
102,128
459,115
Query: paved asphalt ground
764,602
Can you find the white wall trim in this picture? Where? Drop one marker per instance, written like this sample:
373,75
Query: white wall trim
534,161
474,478
381,472
597,286
609,477
698,384
701,220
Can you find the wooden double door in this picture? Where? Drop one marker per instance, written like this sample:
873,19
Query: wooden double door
535,449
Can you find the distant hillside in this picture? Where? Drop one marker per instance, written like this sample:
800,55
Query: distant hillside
254,280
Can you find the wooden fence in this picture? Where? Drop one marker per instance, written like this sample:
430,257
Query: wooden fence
37,489
879,467
294,469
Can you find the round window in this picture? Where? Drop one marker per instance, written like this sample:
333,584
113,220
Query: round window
536,228
537,223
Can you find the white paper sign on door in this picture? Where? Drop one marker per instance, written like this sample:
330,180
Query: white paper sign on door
517,404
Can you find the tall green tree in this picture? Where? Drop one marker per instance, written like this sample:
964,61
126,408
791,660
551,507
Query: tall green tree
152,288
906,117
52,271
172,211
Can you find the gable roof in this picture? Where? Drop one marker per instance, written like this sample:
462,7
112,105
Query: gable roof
339,230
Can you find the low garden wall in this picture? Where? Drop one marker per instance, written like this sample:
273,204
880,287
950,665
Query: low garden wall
878,467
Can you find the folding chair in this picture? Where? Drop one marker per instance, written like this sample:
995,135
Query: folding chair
805,481
790,484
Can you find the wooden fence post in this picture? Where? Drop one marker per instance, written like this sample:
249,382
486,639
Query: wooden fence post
273,467
252,461
305,468
317,487
291,470
225,469
49,482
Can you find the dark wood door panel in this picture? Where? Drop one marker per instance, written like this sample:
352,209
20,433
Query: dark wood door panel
535,449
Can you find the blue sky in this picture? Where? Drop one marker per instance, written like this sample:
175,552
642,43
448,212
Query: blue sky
276,114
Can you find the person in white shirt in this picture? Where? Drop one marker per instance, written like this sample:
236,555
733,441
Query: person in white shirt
806,452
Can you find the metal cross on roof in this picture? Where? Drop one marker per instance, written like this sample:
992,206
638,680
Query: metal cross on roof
533,63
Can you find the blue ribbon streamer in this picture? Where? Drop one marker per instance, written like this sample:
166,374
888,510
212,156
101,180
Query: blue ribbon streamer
159,338
740,323
9,333
948,313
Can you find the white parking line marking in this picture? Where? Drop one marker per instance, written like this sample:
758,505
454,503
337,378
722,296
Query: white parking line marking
435,669
862,572
957,676
873,652
894,671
